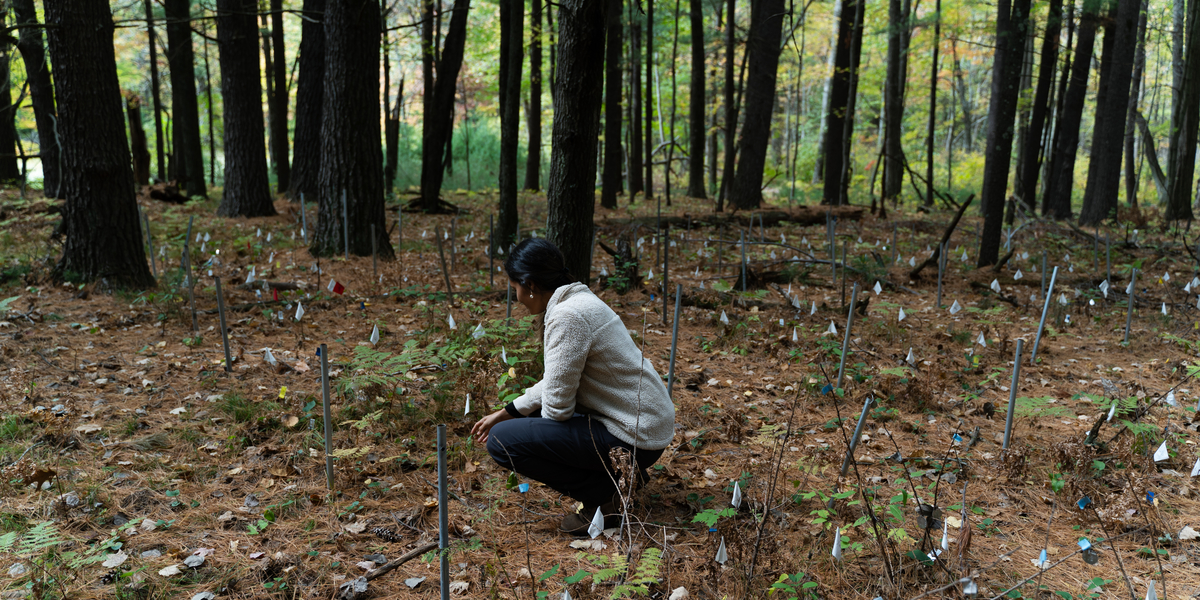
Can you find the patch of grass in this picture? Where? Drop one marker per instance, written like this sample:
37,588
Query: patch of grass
13,429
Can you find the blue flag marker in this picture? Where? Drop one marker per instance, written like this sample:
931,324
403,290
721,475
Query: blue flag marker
362,305
1042,558
524,487
318,350
1084,544
957,438
827,389
1084,502
1150,497
712,529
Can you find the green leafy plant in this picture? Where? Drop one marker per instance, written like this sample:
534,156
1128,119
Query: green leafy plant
793,586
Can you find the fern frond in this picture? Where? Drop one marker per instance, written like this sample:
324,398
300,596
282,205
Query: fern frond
43,535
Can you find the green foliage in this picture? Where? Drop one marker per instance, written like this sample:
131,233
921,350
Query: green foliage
1035,407
794,586
615,567
710,516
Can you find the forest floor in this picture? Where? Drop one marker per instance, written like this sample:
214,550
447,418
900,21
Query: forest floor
135,466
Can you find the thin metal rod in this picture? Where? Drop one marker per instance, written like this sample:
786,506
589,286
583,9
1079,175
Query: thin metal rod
845,250
1129,313
1042,324
328,416
846,339
303,219
941,271
224,330
1012,394
831,231
1107,261
437,237
666,265
674,340
187,267
443,514
862,420
345,226
453,242
743,261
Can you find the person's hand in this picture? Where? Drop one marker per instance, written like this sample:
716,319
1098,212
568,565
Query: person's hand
484,426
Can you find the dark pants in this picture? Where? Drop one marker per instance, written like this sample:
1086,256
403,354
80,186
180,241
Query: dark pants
572,456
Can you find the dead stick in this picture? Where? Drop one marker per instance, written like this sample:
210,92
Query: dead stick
411,554
932,260
1003,261
437,235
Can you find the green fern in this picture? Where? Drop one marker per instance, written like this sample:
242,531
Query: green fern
42,536
646,575
1036,407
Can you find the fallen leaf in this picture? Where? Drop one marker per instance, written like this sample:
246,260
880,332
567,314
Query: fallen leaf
459,587
40,477
291,420
178,411
357,527
170,571
413,582
87,428
954,522
115,560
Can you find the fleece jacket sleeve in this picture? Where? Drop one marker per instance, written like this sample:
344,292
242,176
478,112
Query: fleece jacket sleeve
568,339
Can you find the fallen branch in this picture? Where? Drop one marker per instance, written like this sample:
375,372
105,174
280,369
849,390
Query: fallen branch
1004,260
980,286
937,252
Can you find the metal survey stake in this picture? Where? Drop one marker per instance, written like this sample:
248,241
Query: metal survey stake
224,330
894,251
1012,394
846,339
1107,261
443,514
345,226
187,269
666,264
831,229
150,246
1042,324
941,269
862,420
328,416
674,340
1129,314
845,250
303,220
743,262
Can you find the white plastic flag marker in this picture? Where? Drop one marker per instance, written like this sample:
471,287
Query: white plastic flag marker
1041,561
995,286
971,588
597,525
860,239
503,356
268,236
1162,454
1164,308
202,244
207,237
650,275
450,319
270,358
795,338
258,233
1091,302
901,315
1197,301
1024,256
812,311
1129,288
837,545
945,536
1166,276
805,241
981,341
964,256
375,335
910,359
1112,410
1170,399
912,261
722,556
467,410
1104,287
1062,299
1150,595
250,275
781,323
1188,288
773,257
724,318
199,237
736,501
697,273
954,308
878,288
1067,319
701,284
796,303
478,332
1196,469
299,311
1070,268
603,271
1018,275
832,328
566,595
789,292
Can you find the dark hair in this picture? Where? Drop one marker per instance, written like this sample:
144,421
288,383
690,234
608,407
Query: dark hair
538,264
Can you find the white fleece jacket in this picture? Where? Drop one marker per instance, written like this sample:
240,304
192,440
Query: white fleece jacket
593,367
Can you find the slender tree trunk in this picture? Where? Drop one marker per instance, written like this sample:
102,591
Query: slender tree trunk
848,124
637,180
391,135
648,100
1023,109
730,104
100,216
310,93
696,106
611,184
427,50
763,45
10,169
247,191
533,157
351,164
1054,129
41,93
1104,168
212,137
893,105
819,165
156,93
438,125
1029,167
839,98
137,140
933,83
1011,23
279,101
1178,29
964,101
1187,112
1060,183
512,19
713,138
571,186
185,122
1139,66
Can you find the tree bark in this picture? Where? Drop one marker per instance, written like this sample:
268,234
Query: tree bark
1139,66
247,191
1029,167
438,125
10,169
533,155
730,103
41,93
1011,23
310,93
696,107
571,190
156,94
137,140
185,124
1185,117
933,83
1104,168
611,181
839,98
351,162
512,19
648,100
766,31
893,105
637,180
279,101
100,216
1057,201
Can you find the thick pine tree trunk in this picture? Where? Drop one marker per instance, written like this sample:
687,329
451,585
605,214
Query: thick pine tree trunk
185,124
247,191
156,94
533,156
438,125
839,96
1104,168
611,181
279,100
351,162
1031,163
41,95
310,92
766,31
1060,179
1187,112
730,104
512,19
10,169
893,104
1011,23
571,187
696,126
100,217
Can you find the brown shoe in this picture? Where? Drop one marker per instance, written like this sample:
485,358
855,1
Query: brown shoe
577,523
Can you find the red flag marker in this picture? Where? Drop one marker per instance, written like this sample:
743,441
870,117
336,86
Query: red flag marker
336,287
275,294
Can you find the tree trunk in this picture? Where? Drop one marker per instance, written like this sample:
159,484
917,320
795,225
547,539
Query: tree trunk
1031,164
893,105
351,164
1023,109
100,216
391,136
730,104
839,98
1178,29
933,83
1139,66
827,90
852,99
156,94
279,101
512,19
427,50
1054,129
1104,168
10,169
611,184
634,123
648,100
1187,110
137,140
41,92
247,191
533,155
1057,202
310,93
438,125
764,43
1011,23
571,190
964,100
696,107
185,122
